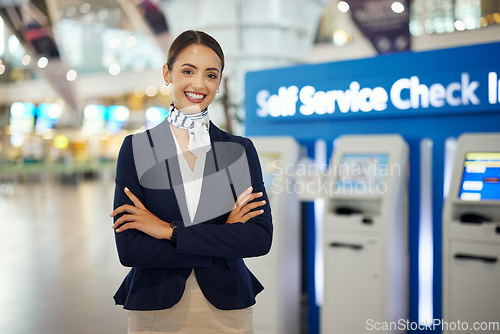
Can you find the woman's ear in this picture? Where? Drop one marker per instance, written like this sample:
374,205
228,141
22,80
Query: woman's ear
166,73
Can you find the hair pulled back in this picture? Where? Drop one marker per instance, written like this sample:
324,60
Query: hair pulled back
189,37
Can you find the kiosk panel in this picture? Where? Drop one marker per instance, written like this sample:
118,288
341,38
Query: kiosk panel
481,177
471,235
365,231
361,173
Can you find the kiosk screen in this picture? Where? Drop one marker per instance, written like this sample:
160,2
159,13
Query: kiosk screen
481,177
362,174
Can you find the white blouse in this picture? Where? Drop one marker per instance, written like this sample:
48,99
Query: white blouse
191,179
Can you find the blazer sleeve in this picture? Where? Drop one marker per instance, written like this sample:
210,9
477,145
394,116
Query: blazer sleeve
238,240
135,248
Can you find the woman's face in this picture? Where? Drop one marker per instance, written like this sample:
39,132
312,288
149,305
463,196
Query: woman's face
195,78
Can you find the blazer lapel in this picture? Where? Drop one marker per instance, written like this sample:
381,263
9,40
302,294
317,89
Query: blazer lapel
216,196
207,189
166,150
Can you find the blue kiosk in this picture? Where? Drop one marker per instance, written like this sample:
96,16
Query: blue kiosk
428,98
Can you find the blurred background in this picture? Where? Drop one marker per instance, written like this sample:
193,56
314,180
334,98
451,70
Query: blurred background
77,76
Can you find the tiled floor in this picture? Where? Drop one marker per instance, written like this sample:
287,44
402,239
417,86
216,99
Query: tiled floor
58,263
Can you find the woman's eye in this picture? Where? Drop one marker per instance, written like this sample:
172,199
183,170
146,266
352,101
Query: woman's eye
187,72
212,76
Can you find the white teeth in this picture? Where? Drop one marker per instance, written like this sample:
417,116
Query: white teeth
195,96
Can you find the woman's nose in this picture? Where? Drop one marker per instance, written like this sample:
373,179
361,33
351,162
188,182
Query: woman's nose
197,81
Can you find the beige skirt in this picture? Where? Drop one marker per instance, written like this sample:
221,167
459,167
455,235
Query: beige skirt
192,314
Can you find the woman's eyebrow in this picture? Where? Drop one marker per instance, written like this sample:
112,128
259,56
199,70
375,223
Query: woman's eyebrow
208,69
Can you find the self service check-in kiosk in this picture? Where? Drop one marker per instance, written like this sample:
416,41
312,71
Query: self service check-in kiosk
471,237
277,310
365,234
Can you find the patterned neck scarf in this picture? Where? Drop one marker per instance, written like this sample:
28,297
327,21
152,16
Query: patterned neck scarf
196,124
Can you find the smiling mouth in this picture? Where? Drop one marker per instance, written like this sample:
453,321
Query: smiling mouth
195,97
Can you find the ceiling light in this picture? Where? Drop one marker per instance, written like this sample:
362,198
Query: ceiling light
131,41
151,90
397,7
114,42
85,8
71,75
43,62
459,25
26,60
343,6
114,69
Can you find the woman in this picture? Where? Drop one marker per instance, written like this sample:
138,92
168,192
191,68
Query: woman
177,219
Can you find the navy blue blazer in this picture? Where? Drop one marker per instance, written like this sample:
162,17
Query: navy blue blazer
213,248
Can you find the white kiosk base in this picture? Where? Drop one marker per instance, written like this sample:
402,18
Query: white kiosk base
365,235
471,238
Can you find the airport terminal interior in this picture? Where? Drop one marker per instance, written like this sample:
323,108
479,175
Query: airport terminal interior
377,128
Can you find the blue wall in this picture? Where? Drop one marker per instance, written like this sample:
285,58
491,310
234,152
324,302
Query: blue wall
461,85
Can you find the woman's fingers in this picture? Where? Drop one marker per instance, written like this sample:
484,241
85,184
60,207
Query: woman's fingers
134,199
248,201
249,207
242,210
127,207
250,215
243,197
140,218
123,219
124,208
242,213
251,197
148,224
131,225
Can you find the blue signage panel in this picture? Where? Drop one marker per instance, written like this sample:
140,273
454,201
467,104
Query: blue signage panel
450,81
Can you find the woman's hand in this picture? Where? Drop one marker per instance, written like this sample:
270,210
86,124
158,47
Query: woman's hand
141,219
242,211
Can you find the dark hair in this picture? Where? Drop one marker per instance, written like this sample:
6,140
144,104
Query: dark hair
189,37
